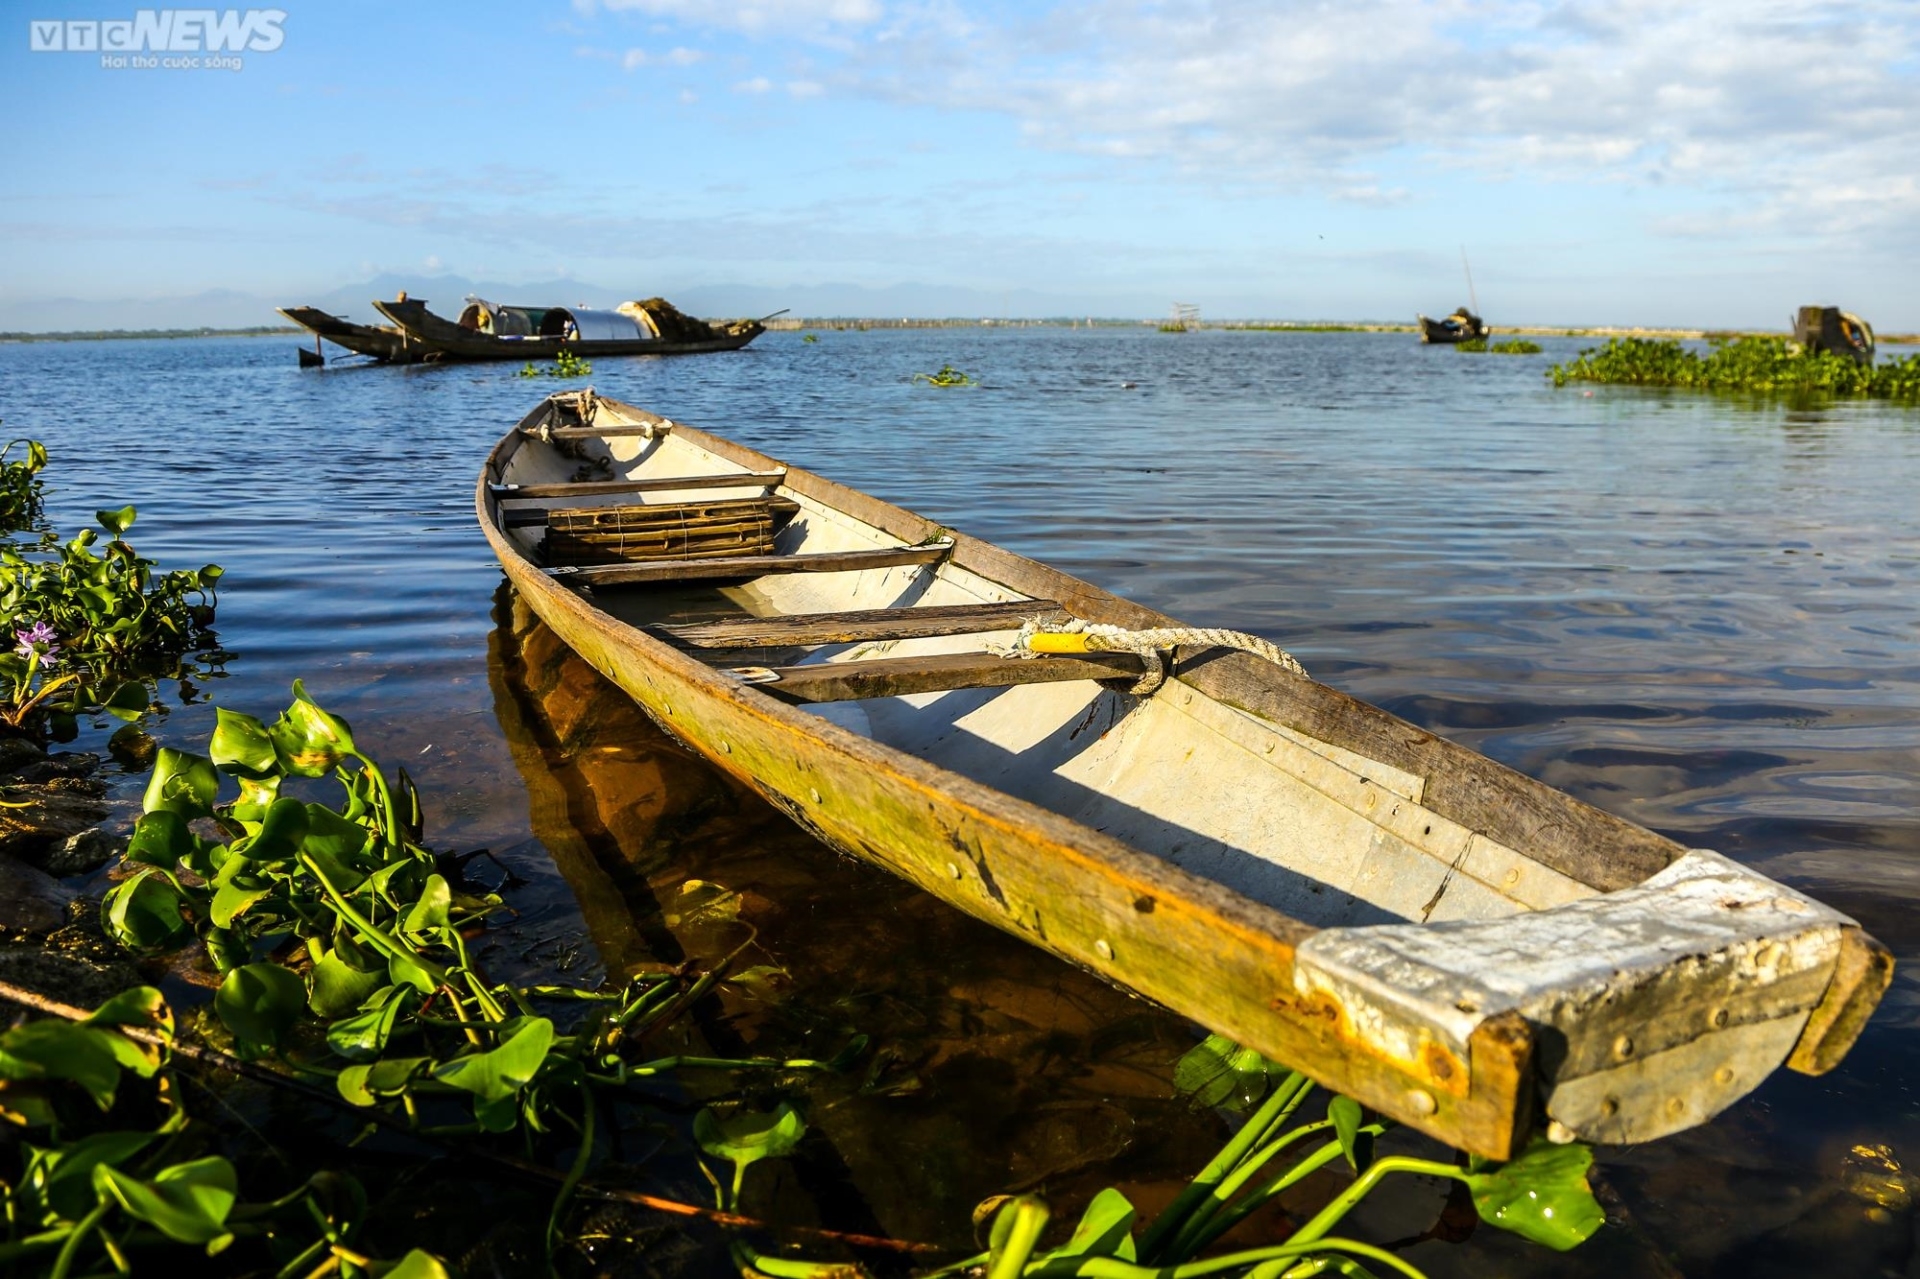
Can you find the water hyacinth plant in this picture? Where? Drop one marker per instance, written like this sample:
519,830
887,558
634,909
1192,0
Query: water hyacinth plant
109,609
1515,346
565,364
1767,364
947,376
20,485
1543,1195
90,626
375,993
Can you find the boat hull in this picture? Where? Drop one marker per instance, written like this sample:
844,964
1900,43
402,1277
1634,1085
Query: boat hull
1323,1000
1450,332
444,341
386,345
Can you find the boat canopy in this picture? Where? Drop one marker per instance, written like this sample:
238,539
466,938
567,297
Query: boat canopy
581,325
501,321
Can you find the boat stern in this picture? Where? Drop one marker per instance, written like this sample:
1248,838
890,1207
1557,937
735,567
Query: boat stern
1651,1009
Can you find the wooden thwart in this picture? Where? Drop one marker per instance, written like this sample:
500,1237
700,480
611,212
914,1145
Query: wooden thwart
643,429
860,625
936,673
690,530
711,570
653,484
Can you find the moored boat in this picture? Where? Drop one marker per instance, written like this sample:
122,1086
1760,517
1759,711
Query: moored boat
1462,326
1446,940
388,345
489,331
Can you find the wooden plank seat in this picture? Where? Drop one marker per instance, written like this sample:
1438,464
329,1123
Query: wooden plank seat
646,430
720,569
858,626
936,673
676,531
651,484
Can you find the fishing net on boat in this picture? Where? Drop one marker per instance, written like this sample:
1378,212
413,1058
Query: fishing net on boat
668,321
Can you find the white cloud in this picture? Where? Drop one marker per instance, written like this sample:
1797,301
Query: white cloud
759,84
805,88
1789,110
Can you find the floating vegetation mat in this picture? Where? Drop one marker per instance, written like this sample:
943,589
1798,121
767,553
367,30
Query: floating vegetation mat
1745,364
565,364
947,376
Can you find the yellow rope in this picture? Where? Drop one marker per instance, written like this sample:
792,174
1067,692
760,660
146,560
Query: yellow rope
1153,645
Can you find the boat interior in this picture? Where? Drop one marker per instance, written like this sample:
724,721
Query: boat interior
901,644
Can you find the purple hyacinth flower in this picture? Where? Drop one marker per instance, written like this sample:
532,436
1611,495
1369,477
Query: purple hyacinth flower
38,638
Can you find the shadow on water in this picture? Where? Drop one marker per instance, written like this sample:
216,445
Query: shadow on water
993,1067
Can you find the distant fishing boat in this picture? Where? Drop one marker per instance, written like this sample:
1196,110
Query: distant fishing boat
488,331
1462,326
1828,328
1446,940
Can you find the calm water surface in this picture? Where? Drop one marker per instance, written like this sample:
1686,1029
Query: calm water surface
1698,613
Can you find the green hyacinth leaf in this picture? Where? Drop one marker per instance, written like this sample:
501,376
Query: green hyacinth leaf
188,1202
336,987
1543,1195
260,1003
1105,1229
433,907
1348,1119
240,745
144,913
182,783
116,522
309,741
364,1036
160,838
331,835
747,1136
53,1049
503,1071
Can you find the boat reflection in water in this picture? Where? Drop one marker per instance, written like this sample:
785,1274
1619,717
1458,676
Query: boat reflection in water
993,1067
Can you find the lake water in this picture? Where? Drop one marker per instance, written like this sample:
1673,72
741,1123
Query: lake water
1699,613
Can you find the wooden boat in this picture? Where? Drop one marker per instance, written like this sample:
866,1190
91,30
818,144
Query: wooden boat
1451,943
1462,326
387,345
486,331
1828,328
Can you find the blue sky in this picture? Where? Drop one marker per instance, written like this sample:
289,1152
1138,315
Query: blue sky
1714,163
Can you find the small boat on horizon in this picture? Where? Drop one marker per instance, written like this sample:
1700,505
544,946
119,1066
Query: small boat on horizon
1462,326
1446,940
490,331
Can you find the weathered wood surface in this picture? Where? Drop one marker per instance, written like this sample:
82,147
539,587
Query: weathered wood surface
645,430
656,484
1860,978
710,570
860,625
933,673
692,530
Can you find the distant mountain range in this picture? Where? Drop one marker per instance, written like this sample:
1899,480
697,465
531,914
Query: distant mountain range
229,308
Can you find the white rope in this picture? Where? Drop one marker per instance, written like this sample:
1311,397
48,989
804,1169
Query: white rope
1154,645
